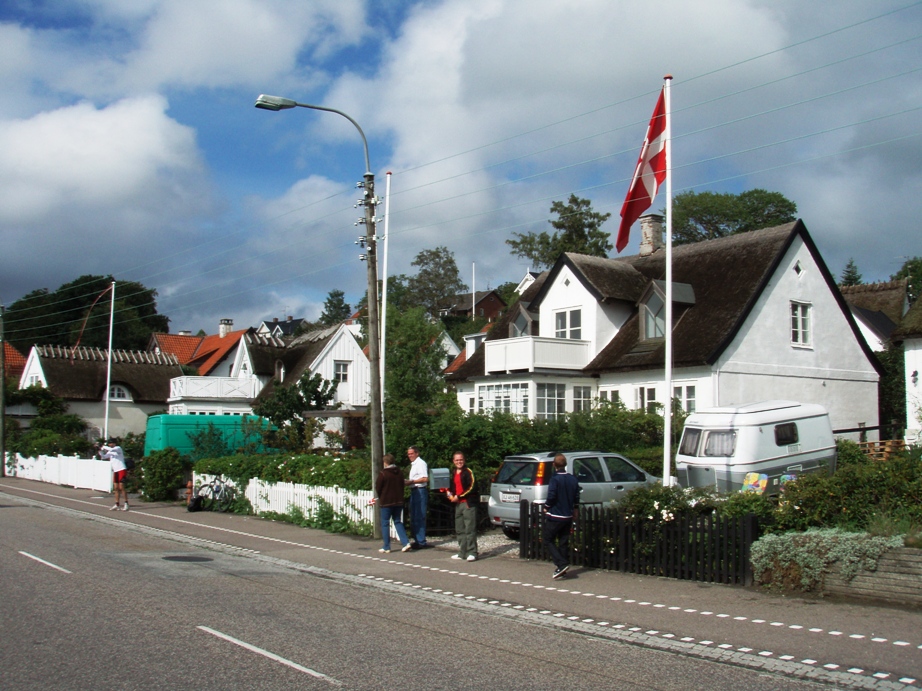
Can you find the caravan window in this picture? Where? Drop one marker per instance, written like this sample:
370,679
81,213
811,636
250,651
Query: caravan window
786,434
689,445
720,443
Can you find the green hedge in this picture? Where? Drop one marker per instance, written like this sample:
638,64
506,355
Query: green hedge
349,470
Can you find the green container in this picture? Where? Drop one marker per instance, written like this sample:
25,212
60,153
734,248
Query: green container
174,430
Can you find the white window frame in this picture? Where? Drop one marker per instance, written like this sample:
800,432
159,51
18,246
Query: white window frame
801,324
550,401
654,322
582,398
645,398
569,324
685,395
341,371
509,397
120,393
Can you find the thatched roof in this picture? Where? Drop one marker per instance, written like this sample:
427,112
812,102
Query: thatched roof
888,298
725,276
80,373
911,326
295,356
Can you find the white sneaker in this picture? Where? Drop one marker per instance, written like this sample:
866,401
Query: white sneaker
114,507
455,556
384,551
407,547
125,507
472,557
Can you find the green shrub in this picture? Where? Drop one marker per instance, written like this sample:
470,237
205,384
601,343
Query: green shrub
162,473
800,561
349,470
324,517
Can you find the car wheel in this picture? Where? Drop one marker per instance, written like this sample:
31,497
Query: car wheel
510,532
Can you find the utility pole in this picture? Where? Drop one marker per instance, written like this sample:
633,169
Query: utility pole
374,344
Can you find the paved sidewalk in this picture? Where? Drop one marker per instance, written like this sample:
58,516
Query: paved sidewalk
832,634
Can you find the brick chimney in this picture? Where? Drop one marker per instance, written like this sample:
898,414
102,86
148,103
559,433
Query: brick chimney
651,234
225,327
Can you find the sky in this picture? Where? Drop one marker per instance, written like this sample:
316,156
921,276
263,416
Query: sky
130,144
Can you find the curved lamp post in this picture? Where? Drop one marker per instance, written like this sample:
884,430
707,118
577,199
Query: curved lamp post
374,345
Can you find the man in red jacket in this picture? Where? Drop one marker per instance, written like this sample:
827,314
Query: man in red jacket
463,494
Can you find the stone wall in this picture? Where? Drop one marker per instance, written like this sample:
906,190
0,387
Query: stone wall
898,579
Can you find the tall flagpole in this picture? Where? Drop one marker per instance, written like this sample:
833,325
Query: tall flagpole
105,433
667,418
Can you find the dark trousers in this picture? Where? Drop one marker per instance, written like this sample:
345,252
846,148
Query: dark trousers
557,541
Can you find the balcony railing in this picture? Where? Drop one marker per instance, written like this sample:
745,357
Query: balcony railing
529,353
213,388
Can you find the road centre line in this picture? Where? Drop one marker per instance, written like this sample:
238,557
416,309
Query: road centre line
438,569
271,656
46,563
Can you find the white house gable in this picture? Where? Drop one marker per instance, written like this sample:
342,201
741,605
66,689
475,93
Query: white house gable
32,374
343,361
797,343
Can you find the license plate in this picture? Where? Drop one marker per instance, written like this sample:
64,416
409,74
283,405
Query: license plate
509,497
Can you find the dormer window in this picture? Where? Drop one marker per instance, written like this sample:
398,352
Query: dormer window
568,324
654,317
522,325
117,392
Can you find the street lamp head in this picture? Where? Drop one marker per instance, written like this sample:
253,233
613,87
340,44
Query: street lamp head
267,102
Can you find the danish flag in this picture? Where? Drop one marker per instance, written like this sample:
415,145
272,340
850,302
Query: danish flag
649,174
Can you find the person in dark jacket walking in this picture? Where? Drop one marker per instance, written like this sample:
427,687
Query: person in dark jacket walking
560,510
463,494
389,488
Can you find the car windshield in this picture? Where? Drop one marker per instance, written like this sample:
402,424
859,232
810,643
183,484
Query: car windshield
518,472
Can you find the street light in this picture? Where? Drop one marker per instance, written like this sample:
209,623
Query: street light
374,353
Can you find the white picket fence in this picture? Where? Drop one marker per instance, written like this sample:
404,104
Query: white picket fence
82,473
281,496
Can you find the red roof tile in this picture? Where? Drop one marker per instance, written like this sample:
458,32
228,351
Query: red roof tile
13,361
213,349
180,345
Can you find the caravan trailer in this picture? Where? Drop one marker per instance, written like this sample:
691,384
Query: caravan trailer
755,447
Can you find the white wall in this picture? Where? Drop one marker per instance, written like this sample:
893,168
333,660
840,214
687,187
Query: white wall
912,348
344,348
762,364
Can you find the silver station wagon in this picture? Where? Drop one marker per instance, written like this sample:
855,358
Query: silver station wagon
604,477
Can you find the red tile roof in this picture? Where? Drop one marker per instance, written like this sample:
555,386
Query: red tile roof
213,349
457,362
181,345
13,361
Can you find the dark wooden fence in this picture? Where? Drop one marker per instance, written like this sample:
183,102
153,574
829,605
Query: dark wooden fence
691,547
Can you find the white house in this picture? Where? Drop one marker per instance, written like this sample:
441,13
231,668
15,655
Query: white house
756,316
139,384
261,360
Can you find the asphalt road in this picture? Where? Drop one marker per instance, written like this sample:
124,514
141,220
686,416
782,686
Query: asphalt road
159,598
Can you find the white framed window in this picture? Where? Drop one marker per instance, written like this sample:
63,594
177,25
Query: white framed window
801,324
508,398
654,317
645,398
35,380
117,392
685,395
340,371
551,401
568,324
582,398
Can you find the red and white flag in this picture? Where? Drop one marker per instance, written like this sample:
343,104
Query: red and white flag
648,175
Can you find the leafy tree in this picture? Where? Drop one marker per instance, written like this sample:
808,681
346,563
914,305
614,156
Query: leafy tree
507,292
335,308
413,384
76,310
438,279
578,229
53,431
700,216
850,275
911,269
286,406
